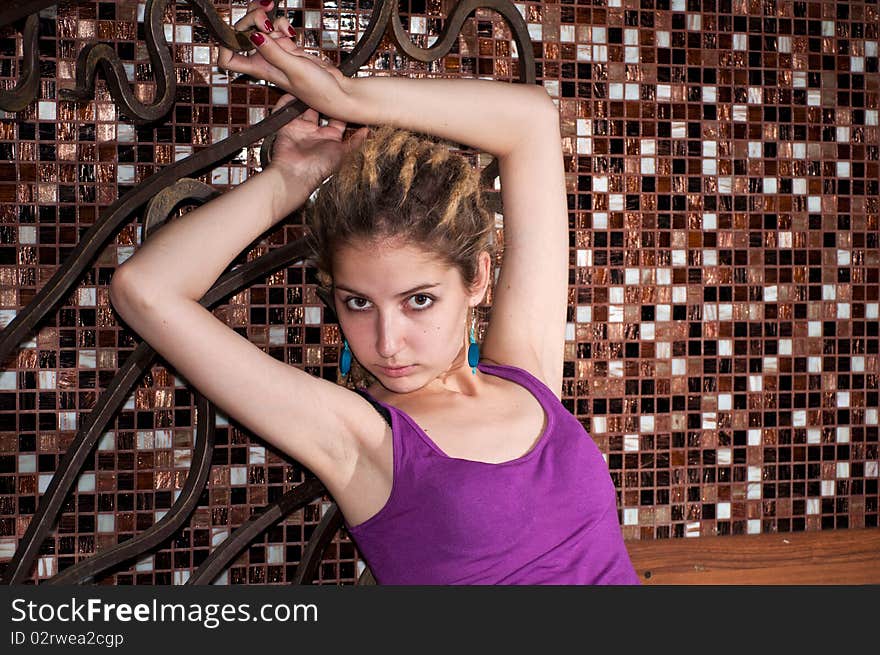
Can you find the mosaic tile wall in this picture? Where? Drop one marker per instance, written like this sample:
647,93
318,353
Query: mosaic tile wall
722,161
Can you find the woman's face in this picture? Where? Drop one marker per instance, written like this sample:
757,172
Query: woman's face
403,311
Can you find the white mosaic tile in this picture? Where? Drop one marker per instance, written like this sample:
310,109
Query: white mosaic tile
753,491
256,455
27,234
46,110
86,482
218,536
125,174
163,438
107,441
27,463
238,475
86,358
6,315
106,522
145,563
144,440
46,567
8,380
275,554
67,420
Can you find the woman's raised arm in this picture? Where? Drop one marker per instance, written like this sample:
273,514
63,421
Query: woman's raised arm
489,116
519,124
156,292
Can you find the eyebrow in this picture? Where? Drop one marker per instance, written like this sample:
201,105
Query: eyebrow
421,287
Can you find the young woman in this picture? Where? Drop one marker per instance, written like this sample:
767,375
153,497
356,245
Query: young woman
468,473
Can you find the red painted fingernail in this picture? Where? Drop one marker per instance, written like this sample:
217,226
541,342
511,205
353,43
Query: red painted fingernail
265,3
268,25
257,38
291,30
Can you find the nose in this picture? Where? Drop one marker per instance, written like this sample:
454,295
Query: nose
389,335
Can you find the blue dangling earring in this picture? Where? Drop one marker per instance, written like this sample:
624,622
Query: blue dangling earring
345,358
473,352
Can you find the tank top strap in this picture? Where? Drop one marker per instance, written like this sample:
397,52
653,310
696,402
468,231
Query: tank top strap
523,377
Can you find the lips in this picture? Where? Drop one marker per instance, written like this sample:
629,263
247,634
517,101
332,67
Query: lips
397,371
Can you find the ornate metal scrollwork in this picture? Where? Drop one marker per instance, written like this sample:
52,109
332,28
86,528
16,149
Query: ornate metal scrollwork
26,90
384,19
104,56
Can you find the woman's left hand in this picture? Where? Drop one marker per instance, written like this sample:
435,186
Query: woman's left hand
279,60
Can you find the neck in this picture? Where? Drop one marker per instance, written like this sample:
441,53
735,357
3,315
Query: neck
458,378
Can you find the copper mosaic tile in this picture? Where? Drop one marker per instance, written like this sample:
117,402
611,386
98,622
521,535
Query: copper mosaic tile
723,177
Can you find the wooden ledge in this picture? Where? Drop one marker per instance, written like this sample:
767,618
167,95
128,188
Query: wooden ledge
827,557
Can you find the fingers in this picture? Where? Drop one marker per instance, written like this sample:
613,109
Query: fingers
281,53
257,17
283,100
233,61
336,124
357,139
276,58
282,30
309,115
279,30
253,66
332,127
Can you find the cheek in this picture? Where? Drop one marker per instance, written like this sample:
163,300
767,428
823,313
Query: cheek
356,330
446,331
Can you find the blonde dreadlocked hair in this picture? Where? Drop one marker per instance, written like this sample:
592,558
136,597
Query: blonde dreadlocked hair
400,184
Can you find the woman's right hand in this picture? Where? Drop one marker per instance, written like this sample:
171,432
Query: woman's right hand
278,59
307,152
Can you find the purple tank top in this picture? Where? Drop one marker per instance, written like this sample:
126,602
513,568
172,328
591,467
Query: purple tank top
548,517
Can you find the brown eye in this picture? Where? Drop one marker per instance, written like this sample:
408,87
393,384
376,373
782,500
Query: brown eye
357,304
421,301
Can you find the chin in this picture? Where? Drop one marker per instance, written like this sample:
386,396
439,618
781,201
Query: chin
404,384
